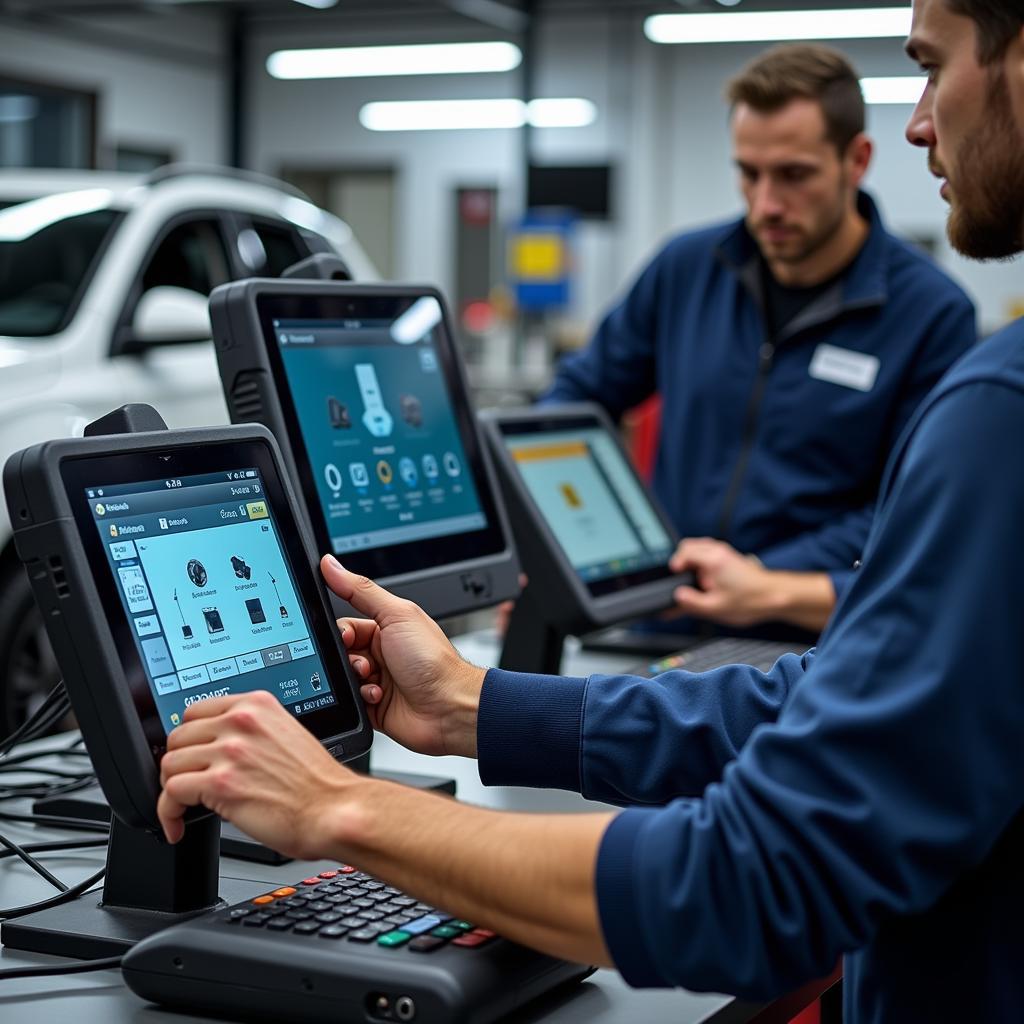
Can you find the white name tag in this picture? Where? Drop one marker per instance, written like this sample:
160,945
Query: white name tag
841,366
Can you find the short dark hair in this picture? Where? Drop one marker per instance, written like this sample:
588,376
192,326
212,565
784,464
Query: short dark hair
998,22
798,71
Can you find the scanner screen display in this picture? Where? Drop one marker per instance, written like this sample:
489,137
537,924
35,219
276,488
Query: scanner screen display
381,436
209,595
591,501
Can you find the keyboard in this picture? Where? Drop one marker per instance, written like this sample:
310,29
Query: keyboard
719,651
351,905
341,945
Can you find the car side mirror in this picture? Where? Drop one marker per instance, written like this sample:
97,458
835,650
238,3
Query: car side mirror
165,315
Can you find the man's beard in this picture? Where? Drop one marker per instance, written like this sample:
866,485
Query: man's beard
986,220
809,244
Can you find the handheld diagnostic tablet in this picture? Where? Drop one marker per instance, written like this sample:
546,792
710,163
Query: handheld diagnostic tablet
171,567
594,542
364,390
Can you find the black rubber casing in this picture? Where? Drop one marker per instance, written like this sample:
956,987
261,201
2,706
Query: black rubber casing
563,598
48,541
252,395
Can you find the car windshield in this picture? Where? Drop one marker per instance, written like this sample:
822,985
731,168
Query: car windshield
44,273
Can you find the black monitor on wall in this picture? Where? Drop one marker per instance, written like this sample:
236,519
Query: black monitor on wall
584,188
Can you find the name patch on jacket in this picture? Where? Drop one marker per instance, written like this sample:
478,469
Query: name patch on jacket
841,366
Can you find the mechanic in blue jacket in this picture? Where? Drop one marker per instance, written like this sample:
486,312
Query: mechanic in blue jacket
790,349
865,800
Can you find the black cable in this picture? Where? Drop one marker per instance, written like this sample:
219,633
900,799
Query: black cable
55,819
57,844
39,869
54,698
54,901
75,967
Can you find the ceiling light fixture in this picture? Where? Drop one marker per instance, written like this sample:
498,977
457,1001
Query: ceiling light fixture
320,5
388,61
906,89
779,26
442,115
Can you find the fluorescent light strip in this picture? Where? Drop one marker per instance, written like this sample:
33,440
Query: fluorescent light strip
320,5
906,89
778,26
442,115
389,61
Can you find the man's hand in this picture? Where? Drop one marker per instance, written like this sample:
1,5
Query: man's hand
417,688
736,590
246,758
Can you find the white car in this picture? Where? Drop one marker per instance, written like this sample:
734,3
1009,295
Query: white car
104,281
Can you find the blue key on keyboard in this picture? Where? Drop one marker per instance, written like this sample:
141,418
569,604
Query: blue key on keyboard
423,924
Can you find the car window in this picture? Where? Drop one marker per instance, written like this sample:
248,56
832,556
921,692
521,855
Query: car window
192,255
43,275
282,246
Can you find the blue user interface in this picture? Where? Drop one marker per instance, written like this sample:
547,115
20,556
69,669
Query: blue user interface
591,501
209,595
376,417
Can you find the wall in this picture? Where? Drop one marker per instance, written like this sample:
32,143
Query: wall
159,77
662,122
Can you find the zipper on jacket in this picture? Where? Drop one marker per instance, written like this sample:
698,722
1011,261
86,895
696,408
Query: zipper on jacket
766,359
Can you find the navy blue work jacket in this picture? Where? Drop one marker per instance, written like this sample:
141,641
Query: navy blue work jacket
865,799
776,446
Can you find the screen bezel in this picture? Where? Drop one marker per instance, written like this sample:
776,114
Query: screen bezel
532,422
394,560
343,719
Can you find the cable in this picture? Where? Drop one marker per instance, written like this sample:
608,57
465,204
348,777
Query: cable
57,697
57,844
75,967
39,869
54,901
55,819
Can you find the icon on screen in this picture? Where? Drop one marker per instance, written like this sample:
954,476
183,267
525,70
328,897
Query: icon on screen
407,470
186,629
333,477
175,718
101,510
254,607
384,472
281,608
360,477
315,681
113,529
214,623
163,523
430,470
571,495
197,572
337,412
242,571
452,465
412,410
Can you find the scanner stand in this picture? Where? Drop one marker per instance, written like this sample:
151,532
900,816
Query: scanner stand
532,643
149,886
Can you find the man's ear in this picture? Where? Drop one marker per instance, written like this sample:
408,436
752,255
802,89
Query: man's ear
858,158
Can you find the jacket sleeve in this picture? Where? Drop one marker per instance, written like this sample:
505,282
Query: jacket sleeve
892,770
623,739
833,548
617,370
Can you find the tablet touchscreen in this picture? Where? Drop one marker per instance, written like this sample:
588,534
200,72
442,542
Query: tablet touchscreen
197,573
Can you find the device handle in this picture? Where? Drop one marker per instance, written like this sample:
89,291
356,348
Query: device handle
134,418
